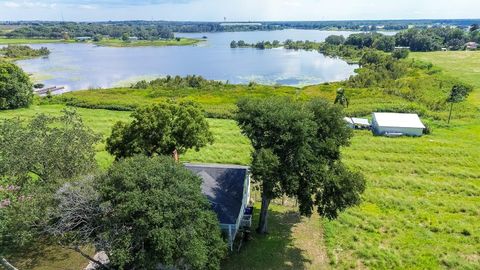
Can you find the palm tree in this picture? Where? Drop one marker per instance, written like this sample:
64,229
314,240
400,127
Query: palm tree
341,98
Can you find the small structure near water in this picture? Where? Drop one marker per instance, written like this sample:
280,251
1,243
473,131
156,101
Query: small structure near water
397,124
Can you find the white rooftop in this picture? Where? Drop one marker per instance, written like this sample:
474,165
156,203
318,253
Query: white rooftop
403,120
360,121
357,121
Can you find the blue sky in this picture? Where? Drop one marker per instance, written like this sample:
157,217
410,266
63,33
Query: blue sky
236,10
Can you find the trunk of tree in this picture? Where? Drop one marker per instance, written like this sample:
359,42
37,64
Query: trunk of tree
262,223
88,257
7,265
175,155
450,114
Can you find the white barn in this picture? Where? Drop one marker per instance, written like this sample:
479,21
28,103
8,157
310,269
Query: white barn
397,124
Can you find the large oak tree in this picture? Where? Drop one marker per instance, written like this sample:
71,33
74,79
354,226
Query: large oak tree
297,153
157,217
160,129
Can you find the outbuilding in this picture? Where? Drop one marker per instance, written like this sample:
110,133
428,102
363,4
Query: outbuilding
397,124
227,187
471,46
357,123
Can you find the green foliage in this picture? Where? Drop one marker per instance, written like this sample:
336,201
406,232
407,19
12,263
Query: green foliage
362,40
15,87
115,30
378,69
97,38
432,39
160,130
159,217
384,43
259,45
459,93
335,40
400,53
35,158
46,149
21,51
301,142
341,98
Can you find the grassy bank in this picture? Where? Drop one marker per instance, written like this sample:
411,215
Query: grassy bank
106,42
17,41
145,43
461,64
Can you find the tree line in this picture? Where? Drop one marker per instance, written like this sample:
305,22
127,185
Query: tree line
199,27
431,39
72,30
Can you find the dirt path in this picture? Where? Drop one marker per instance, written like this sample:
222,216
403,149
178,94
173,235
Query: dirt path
308,236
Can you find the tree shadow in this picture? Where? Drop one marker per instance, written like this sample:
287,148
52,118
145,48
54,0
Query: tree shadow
276,250
45,253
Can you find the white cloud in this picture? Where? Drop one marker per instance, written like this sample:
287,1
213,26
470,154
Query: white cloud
28,4
235,10
87,6
11,4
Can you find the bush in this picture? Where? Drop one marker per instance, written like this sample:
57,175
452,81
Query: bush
427,130
15,87
400,53
335,40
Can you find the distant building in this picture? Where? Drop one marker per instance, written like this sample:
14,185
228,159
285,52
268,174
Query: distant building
227,187
241,24
133,38
397,124
83,38
471,46
357,123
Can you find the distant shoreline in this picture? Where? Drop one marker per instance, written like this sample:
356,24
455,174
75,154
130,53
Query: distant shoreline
105,42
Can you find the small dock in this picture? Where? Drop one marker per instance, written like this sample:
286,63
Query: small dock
47,90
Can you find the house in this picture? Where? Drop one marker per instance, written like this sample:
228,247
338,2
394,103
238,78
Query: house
133,38
397,124
357,123
227,187
471,46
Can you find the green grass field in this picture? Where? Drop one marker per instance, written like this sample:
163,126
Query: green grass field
145,43
463,64
421,208
105,42
16,41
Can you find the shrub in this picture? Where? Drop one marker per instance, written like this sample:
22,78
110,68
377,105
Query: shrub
15,87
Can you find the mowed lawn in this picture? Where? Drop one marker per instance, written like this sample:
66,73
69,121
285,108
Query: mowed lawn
421,208
464,65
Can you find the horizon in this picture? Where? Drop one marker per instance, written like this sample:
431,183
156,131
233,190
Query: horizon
245,21
234,10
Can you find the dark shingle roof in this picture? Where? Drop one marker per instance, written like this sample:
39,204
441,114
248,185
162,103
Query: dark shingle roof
223,185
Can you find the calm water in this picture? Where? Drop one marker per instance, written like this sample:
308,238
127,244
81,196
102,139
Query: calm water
84,66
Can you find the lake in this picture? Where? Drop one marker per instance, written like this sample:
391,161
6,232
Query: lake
86,66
